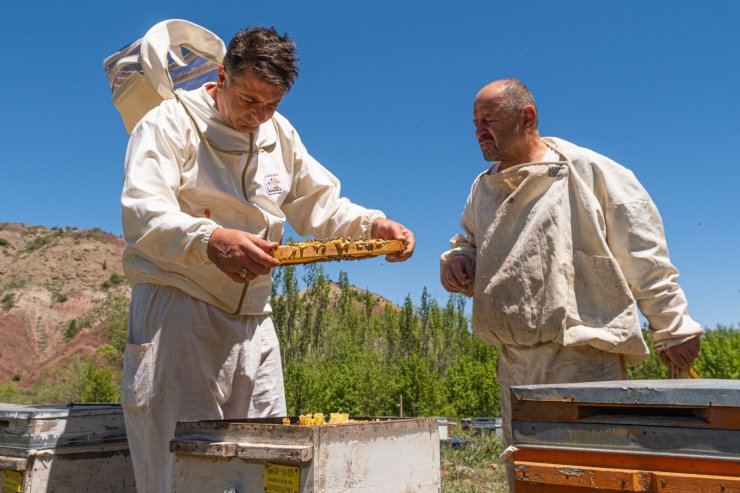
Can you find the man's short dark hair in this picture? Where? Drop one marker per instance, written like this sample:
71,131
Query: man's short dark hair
517,95
263,51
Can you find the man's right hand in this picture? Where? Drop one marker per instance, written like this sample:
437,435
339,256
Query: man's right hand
683,355
240,255
458,274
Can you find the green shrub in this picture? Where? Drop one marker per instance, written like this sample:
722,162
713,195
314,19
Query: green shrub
60,297
16,283
8,301
97,384
71,331
9,393
43,240
114,280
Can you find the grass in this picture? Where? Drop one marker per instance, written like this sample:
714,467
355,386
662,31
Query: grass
8,301
474,467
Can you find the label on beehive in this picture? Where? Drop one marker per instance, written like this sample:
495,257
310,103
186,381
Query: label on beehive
281,479
12,481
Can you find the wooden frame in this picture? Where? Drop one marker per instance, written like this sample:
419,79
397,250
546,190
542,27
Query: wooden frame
304,252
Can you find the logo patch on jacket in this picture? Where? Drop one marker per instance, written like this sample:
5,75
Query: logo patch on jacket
272,184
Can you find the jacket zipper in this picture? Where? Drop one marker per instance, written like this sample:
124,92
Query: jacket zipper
250,155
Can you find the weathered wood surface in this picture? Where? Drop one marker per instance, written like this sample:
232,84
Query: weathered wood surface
249,451
647,462
391,455
597,478
77,448
726,418
701,393
671,436
535,477
45,426
664,440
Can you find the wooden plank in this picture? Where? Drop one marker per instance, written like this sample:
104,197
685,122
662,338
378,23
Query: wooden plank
645,439
531,477
249,451
523,487
263,451
335,249
597,478
694,483
649,462
725,418
13,463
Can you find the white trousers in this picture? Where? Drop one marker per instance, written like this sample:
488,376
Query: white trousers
188,360
550,363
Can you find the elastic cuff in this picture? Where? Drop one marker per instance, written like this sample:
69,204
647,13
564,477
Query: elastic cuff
457,252
367,223
201,246
669,343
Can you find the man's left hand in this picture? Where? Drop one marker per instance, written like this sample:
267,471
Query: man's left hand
387,229
682,355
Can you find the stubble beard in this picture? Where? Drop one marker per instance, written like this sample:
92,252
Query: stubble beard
490,152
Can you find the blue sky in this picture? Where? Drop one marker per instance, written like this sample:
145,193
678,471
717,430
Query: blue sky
384,100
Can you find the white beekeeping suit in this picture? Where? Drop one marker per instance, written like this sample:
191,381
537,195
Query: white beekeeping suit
562,250
200,345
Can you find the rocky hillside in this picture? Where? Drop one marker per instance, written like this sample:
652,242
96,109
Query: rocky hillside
51,283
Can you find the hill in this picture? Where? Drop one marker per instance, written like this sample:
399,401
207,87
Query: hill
54,285
53,282
63,302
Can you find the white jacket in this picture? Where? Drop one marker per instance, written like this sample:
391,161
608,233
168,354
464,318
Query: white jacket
562,250
178,189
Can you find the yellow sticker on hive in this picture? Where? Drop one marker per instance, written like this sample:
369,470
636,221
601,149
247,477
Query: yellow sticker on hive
12,481
281,479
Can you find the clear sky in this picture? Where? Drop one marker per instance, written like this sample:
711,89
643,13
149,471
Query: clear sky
384,100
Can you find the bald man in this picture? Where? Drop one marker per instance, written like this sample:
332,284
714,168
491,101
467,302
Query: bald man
558,244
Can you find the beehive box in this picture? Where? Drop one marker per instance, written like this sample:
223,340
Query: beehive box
64,448
678,436
263,455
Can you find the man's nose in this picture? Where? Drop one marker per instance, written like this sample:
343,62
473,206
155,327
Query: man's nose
480,132
261,112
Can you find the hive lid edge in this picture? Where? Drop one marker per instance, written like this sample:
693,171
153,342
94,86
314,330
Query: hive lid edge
705,392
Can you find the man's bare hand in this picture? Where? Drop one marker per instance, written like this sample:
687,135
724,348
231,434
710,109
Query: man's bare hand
240,255
458,274
682,355
387,229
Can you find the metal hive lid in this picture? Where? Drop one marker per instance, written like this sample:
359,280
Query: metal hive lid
709,392
46,411
29,427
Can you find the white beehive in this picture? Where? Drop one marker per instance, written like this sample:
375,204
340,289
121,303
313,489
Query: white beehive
265,456
64,448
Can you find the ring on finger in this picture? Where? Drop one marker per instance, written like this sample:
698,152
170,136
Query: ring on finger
243,273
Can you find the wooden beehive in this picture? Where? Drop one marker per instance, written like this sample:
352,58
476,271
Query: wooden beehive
677,436
263,455
64,448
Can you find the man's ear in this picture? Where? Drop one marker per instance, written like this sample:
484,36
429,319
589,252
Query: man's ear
221,76
529,118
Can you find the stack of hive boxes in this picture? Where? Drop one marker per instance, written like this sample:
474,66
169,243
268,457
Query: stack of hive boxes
677,436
